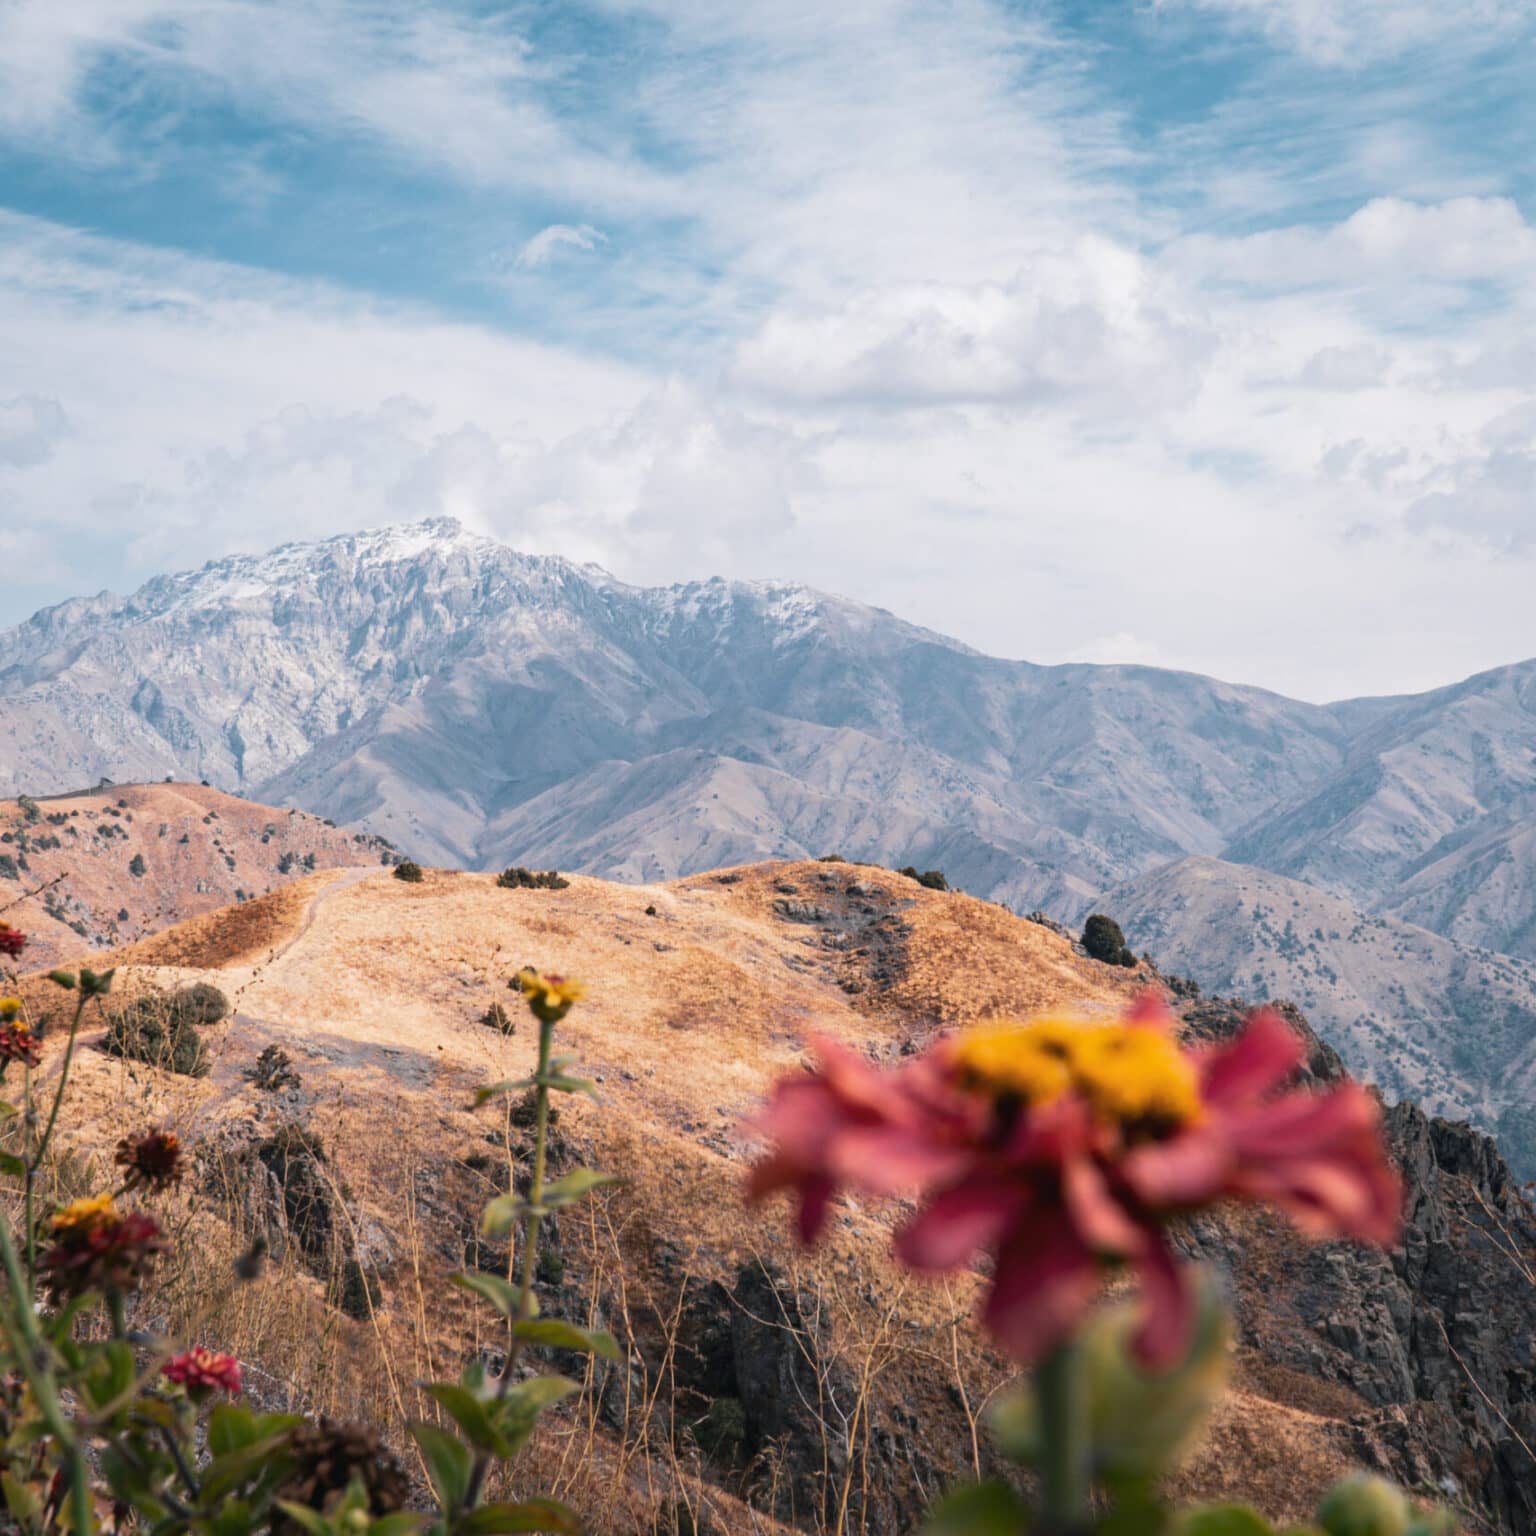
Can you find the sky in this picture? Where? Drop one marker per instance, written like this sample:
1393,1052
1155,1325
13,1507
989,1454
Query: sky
1195,333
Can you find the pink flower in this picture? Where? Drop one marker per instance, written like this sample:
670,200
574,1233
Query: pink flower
202,1371
1063,1147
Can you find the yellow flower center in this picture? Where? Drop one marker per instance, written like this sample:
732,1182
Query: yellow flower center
79,1215
1130,1075
9,1007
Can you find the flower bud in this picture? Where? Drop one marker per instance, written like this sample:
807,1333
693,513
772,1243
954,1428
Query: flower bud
1364,1505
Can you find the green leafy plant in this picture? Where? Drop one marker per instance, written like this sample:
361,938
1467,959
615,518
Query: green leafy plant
407,870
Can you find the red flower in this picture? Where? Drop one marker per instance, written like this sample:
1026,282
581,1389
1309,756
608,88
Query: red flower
1065,1146
96,1249
18,1043
12,940
202,1371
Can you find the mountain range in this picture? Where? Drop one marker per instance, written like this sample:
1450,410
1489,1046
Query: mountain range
478,706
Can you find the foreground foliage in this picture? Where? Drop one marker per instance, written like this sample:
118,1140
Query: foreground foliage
104,1426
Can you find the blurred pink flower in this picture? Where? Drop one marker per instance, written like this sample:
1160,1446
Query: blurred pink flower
1064,1146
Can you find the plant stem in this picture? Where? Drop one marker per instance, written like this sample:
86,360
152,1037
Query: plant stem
531,1226
1064,1446
34,1162
19,1324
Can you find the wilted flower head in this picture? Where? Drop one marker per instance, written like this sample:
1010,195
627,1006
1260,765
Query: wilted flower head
17,1042
12,940
153,1160
1065,1145
202,1371
97,1249
549,997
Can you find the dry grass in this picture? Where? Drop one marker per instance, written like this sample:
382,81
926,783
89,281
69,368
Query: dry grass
375,988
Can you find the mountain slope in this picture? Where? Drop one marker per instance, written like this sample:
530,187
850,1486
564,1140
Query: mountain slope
429,684
700,992
116,863
1432,791
1422,1016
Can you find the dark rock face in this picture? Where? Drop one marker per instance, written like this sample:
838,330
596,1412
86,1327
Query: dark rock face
1437,1338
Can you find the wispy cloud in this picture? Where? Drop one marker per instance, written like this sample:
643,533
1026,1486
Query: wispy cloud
908,297
545,246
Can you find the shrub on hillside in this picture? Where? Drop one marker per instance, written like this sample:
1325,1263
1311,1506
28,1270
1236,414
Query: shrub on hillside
202,1003
154,1030
932,878
1103,940
273,1072
496,1017
515,878
137,867
409,871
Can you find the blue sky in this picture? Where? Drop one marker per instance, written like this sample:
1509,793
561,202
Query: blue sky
1195,332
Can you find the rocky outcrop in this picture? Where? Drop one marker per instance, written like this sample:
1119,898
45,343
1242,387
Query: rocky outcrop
1436,1339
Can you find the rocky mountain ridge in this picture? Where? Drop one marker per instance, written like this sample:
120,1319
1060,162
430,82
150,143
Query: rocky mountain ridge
480,707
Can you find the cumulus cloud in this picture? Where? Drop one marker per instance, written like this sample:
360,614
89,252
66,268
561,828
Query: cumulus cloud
1387,251
1093,324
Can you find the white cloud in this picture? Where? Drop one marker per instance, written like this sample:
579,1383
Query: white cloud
437,87
1348,32
1092,325
1390,252
30,430
919,338
549,241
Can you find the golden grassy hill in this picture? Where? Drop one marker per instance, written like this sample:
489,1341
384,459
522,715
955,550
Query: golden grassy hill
199,848
829,1391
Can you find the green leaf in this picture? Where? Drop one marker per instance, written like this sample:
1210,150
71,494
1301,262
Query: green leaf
558,1082
65,979
399,1524
528,1515
302,1515
1222,1520
984,1509
511,1085
10,1163
225,1473
574,1185
553,1334
230,1426
233,1518
448,1463
470,1414
21,1502
540,1392
7,1110
109,1373
500,1216
501,1294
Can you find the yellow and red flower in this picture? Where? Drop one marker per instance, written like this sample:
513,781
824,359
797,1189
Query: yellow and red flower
1064,1146
203,1371
96,1248
17,1042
